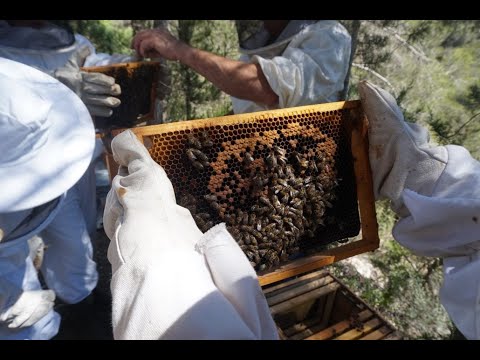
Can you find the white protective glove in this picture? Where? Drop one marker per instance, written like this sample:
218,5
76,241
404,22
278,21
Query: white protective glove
400,156
163,285
30,307
96,90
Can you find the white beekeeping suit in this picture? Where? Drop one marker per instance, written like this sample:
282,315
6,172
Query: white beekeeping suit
306,64
47,143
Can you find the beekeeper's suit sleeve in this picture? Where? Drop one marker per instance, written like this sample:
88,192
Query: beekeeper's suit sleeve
435,190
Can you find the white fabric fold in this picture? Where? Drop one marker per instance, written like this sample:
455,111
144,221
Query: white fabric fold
447,224
236,279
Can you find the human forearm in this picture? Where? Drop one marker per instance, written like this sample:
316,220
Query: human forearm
236,78
239,79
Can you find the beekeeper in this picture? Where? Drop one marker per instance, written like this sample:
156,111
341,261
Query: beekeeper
191,285
283,63
57,51
47,141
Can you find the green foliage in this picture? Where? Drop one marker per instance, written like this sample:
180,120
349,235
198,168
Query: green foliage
192,96
432,70
106,36
406,292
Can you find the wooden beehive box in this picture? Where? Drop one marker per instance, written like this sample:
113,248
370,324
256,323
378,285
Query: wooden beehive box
138,82
317,306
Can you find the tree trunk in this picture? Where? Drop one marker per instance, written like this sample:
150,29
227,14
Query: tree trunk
164,83
354,35
138,25
185,33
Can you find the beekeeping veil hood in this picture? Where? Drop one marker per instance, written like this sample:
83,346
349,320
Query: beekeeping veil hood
36,35
47,137
252,34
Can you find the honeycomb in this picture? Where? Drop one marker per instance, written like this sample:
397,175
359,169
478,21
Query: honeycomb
282,181
138,84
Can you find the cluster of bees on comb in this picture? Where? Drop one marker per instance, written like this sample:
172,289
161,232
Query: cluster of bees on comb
272,188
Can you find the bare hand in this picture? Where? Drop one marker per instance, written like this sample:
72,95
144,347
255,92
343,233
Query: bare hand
157,43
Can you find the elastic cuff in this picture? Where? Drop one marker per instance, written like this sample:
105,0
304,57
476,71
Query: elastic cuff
213,238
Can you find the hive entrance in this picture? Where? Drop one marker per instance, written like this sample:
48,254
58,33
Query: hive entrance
282,181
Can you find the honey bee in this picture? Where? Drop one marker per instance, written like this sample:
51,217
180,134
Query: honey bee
209,225
271,160
277,219
204,216
250,255
262,267
230,219
283,255
247,158
233,231
199,155
193,156
269,227
293,192
205,139
271,257
192,140
279,151
275,202
265,246
285,196
244,219
280,173
259,181
215,205
265,201
211,197
289,171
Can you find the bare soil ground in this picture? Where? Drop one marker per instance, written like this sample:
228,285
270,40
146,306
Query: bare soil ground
91,318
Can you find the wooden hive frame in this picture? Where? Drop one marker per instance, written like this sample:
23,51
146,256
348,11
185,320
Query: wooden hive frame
131,68
356,129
